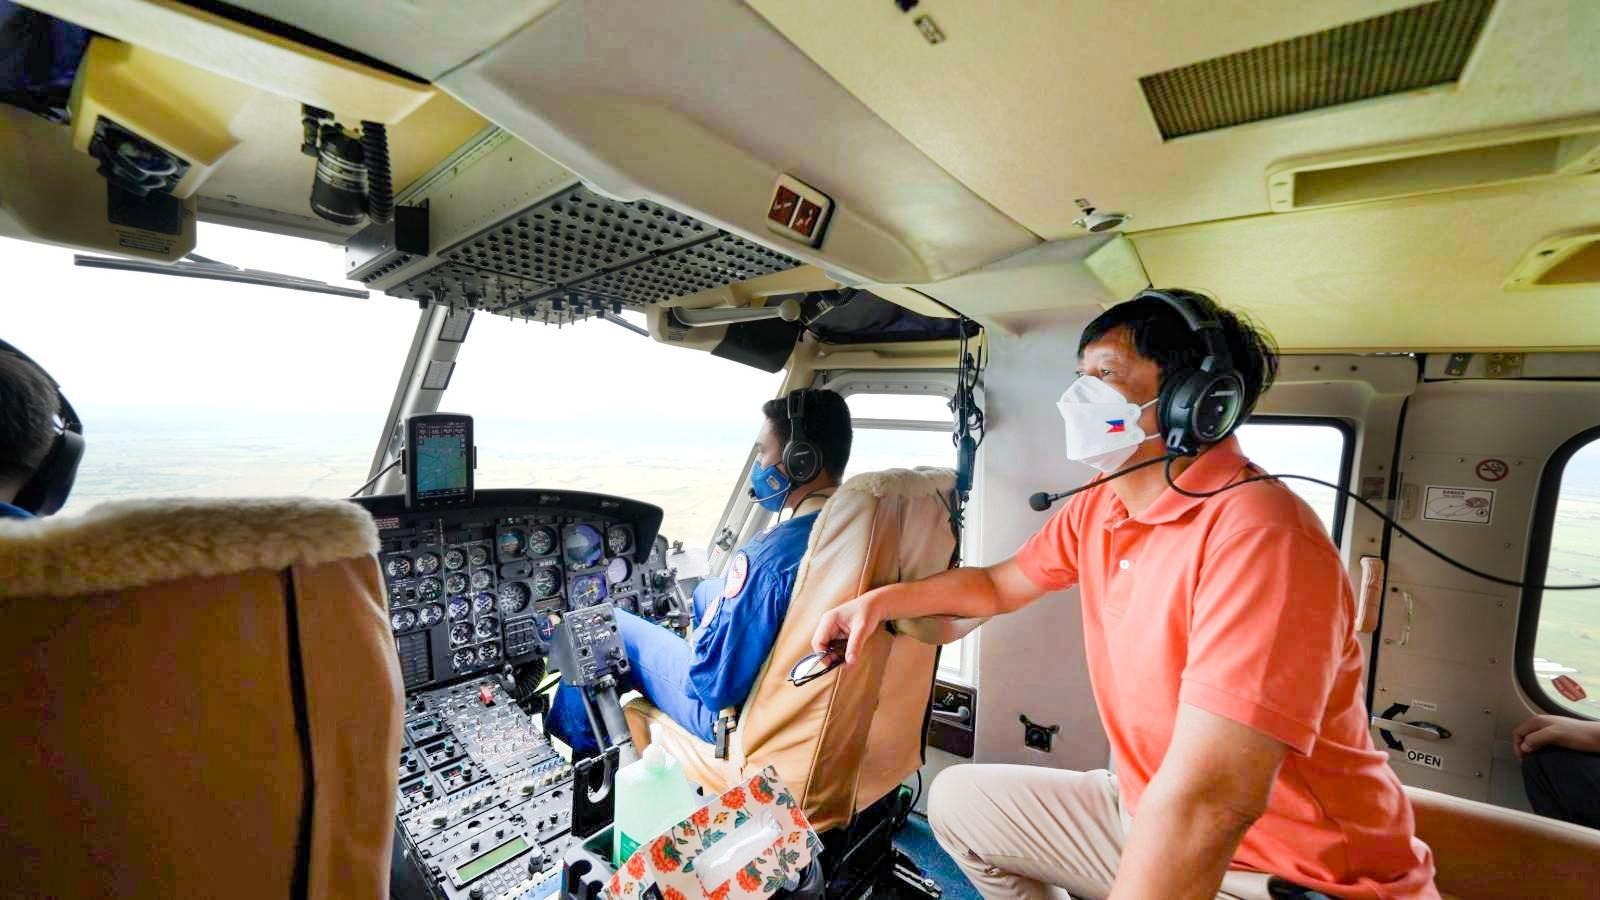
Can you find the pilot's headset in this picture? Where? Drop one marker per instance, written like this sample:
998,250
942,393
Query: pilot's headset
801,457
46,491
1201,404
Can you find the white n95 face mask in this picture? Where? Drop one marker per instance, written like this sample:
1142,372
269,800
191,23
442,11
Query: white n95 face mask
1102,426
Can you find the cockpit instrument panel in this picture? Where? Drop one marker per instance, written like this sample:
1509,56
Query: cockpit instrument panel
473,587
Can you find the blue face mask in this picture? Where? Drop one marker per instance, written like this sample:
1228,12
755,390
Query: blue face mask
769,486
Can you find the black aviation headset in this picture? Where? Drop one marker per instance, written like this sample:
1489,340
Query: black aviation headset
801,457
47,489
1198,404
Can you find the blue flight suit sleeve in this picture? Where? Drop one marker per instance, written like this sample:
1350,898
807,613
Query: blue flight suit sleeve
732,645
704,592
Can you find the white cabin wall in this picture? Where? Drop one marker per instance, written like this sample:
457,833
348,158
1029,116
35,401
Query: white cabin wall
1030,662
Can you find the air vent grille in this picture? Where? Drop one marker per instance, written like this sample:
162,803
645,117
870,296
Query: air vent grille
588,253
1403,51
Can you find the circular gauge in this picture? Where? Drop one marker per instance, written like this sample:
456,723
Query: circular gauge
541,542
478,555
462,658
454,559
455,583
487,627
398,566
427,563
483,603
488,653
513,597
481,579
587,590
618,540
512,543
545,582
582,546
430,589
459,608
430,615
460,632
618,571
402,619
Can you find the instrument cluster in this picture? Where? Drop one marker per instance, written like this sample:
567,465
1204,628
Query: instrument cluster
469,588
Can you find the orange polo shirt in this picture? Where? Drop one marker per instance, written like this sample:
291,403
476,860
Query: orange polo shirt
1239,605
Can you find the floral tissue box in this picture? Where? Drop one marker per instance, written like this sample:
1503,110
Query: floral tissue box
747,843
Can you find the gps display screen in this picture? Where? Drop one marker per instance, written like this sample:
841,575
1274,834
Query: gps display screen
441,459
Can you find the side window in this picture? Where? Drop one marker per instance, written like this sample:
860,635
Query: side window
1319,448
902,431
1565,659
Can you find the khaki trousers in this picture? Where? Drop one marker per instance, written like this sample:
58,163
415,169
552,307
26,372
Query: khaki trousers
1032,832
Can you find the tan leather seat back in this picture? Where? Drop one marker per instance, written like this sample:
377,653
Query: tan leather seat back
1485,852
848,738
204,700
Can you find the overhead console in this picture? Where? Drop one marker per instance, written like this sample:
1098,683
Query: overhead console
473,588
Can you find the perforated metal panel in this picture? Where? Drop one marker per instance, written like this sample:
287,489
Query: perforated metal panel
589,251
1403,51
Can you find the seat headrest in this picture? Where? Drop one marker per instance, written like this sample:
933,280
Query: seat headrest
918,482
126,544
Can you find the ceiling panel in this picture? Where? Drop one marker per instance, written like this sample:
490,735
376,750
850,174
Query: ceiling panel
1418,274
1043,104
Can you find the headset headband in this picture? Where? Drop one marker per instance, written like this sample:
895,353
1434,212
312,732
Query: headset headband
1208,328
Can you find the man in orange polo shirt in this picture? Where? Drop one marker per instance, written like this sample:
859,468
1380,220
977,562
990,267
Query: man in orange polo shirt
1219,633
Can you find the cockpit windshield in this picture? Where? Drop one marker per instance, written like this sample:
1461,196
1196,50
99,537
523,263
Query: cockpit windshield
594,407
193,387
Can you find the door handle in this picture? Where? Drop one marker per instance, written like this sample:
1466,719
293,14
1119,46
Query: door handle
961,714
1427,731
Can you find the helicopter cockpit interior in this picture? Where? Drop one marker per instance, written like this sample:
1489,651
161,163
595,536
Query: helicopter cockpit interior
513,281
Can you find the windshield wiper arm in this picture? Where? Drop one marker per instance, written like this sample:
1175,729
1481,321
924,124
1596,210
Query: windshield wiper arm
196,266
615,319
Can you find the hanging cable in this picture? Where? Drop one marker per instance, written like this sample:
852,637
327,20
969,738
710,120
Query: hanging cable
374,479
1375,511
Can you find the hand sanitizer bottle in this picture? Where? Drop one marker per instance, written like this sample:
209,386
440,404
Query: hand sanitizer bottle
652,795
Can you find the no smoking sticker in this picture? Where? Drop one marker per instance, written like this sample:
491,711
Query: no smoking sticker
1470,506
1492,469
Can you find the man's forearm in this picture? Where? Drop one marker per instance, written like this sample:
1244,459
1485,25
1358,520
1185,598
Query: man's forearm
966,593
1180,847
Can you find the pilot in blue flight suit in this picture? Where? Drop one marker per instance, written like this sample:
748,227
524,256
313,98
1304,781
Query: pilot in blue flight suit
801,455
38,459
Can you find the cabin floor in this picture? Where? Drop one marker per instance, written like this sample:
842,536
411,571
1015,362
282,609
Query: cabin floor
917,841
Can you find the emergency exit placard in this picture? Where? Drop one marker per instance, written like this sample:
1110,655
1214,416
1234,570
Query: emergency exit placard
1472,506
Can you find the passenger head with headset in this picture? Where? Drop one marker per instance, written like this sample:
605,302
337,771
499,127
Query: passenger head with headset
802,449
41,439
1219,637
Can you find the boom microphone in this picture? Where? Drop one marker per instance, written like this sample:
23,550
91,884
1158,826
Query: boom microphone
1043,500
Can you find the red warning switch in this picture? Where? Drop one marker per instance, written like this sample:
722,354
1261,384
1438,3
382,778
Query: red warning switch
486,695
783,206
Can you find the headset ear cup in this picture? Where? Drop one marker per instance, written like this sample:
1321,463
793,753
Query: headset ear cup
1170,417
802,460
46,492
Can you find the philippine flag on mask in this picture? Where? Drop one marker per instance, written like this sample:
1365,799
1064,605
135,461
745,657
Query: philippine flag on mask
1116,426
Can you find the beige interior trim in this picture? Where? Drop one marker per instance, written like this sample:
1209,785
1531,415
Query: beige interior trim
248,55
1570,259
1452,162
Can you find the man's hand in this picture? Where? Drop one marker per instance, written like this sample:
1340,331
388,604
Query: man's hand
1561,731
851,622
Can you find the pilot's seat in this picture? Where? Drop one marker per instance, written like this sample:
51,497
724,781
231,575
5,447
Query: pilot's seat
848,739
203,699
